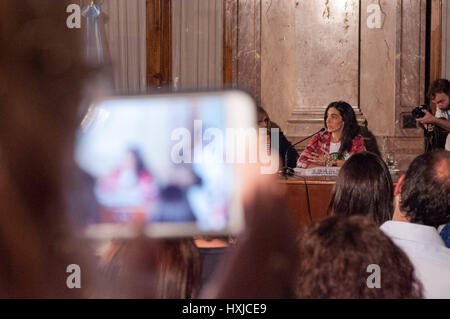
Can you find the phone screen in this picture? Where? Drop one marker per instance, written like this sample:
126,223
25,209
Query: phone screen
160,161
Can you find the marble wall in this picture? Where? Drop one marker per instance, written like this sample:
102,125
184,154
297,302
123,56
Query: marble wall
317,51
243,25
278,60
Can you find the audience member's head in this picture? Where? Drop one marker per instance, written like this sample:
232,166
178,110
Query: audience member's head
164,269
425,190
364,187
335,255
41,80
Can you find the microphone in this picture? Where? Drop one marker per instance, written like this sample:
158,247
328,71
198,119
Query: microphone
286,170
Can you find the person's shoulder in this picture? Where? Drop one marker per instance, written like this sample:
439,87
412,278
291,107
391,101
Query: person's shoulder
322,135
358,141
441,113
318,138
420,240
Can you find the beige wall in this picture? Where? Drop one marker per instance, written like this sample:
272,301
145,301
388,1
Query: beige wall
309,59
278,60
318,51
377,70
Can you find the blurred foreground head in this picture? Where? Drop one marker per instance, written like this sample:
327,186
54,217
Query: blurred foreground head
161,269
41,79
334,259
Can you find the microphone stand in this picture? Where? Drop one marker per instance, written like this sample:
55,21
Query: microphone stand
286,170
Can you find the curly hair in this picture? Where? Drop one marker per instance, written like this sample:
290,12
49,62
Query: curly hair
364,187
334,259
351,128
425,194
439,86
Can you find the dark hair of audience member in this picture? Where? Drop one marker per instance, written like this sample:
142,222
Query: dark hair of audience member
170,269
364,187
425,193
334,259
140,165
42,75
351,128
439,86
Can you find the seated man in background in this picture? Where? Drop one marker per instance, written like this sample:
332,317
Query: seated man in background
284,144
422,205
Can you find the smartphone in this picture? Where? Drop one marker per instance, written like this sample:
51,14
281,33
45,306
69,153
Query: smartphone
160,164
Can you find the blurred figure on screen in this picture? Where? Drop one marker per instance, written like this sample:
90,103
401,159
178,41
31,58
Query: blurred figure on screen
172,204
128,189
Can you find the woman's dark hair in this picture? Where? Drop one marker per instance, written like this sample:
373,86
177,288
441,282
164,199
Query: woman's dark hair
140,166
351,128
335,255
425,194
439,86
165,269
364,187
262,113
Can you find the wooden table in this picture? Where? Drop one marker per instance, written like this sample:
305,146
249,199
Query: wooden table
318,189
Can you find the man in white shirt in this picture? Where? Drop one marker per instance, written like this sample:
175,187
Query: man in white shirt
439,94
422,203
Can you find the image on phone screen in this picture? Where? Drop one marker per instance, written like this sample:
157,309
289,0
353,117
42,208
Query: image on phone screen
159,161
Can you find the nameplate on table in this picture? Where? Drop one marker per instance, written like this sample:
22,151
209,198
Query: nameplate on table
317,171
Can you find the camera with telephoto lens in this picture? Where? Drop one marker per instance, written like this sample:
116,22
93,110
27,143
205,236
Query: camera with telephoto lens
418,112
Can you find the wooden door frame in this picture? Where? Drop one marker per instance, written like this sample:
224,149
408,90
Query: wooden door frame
159,43
435,57
229,41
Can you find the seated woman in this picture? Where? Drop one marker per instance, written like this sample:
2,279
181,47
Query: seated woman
364,187
338,142
339,258
127,192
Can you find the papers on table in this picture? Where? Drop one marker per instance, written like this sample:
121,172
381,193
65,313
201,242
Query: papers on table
317,171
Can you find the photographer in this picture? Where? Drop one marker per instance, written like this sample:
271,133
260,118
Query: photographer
439,93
